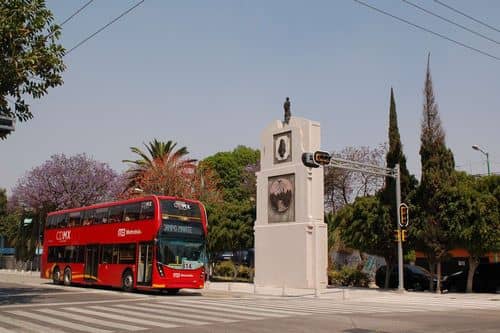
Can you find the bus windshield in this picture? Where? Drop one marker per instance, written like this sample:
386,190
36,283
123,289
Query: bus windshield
181,244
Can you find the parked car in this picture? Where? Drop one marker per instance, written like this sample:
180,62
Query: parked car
243,257
486,279
415,277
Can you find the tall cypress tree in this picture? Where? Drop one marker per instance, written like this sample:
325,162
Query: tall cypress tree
437,166
395,156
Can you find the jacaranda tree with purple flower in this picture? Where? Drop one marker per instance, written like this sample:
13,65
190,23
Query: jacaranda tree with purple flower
68,182
64,182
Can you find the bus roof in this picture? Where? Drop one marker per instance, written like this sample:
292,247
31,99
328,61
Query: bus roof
121,202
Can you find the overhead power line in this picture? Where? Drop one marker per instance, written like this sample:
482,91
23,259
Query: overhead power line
105,26
468,16
76,13
427,30
451,22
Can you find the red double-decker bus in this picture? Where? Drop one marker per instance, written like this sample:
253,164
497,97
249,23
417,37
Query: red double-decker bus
152,242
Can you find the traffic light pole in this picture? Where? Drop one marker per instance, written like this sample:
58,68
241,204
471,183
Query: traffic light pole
324,158
401,287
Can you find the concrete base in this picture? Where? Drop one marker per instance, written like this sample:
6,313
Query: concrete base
291,255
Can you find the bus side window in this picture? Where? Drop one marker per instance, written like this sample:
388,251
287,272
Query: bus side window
127,253
88,217
74,219
132,212
107,254
62,221
147,210
48,223
115,214
101,215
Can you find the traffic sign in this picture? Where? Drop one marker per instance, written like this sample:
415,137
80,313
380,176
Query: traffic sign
404,217
322,157
308,160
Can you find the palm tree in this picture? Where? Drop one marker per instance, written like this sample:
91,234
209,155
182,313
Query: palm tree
160,155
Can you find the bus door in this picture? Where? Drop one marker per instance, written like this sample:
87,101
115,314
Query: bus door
145,264
91,262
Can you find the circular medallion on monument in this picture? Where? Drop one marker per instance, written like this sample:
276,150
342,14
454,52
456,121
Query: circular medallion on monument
281,194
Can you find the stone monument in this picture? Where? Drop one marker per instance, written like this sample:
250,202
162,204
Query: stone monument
290,233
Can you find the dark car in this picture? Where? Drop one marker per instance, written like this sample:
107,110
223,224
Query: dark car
243,257
415,277
486,279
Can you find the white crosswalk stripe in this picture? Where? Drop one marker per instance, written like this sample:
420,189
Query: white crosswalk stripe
141,314
25,325
195,311
59,322
223,307
90,320
205,312
122,318
160,309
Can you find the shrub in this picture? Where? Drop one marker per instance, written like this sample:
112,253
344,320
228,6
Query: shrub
225,268
245,272
348,277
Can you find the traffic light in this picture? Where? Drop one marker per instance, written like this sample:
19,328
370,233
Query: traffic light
6,125
400,235
322,157
404,218
397,234
308,160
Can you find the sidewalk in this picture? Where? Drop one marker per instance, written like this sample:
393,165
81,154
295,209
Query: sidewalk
238,289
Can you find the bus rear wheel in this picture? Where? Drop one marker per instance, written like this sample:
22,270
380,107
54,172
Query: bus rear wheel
67,276
127,281
56,276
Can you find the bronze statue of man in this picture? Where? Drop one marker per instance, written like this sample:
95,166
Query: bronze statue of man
288,114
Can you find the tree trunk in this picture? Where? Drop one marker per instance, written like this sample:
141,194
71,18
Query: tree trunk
438,283
432,269
388,270
473,263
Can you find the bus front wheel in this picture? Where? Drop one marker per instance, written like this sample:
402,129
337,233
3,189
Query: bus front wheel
127,281
56,276
67,276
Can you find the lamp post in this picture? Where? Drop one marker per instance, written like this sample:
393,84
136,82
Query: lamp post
476,147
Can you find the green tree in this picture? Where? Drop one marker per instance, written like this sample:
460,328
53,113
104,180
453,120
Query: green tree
437,166
231,220
363,226
394,156
31,60
473,214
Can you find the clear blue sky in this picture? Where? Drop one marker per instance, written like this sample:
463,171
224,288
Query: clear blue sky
211,75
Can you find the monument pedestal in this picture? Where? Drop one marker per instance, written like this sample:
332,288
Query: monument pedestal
290,233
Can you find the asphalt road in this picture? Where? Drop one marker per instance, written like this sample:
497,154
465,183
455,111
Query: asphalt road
46,308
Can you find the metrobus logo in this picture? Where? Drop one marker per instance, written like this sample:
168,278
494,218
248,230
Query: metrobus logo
63,235
122,232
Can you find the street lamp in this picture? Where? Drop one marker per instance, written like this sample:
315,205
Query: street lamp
476,147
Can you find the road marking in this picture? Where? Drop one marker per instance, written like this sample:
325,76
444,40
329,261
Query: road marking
156,308
90,320
58,322
255,306
26,325
208,313
122,318
75,303
222,307
148,315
